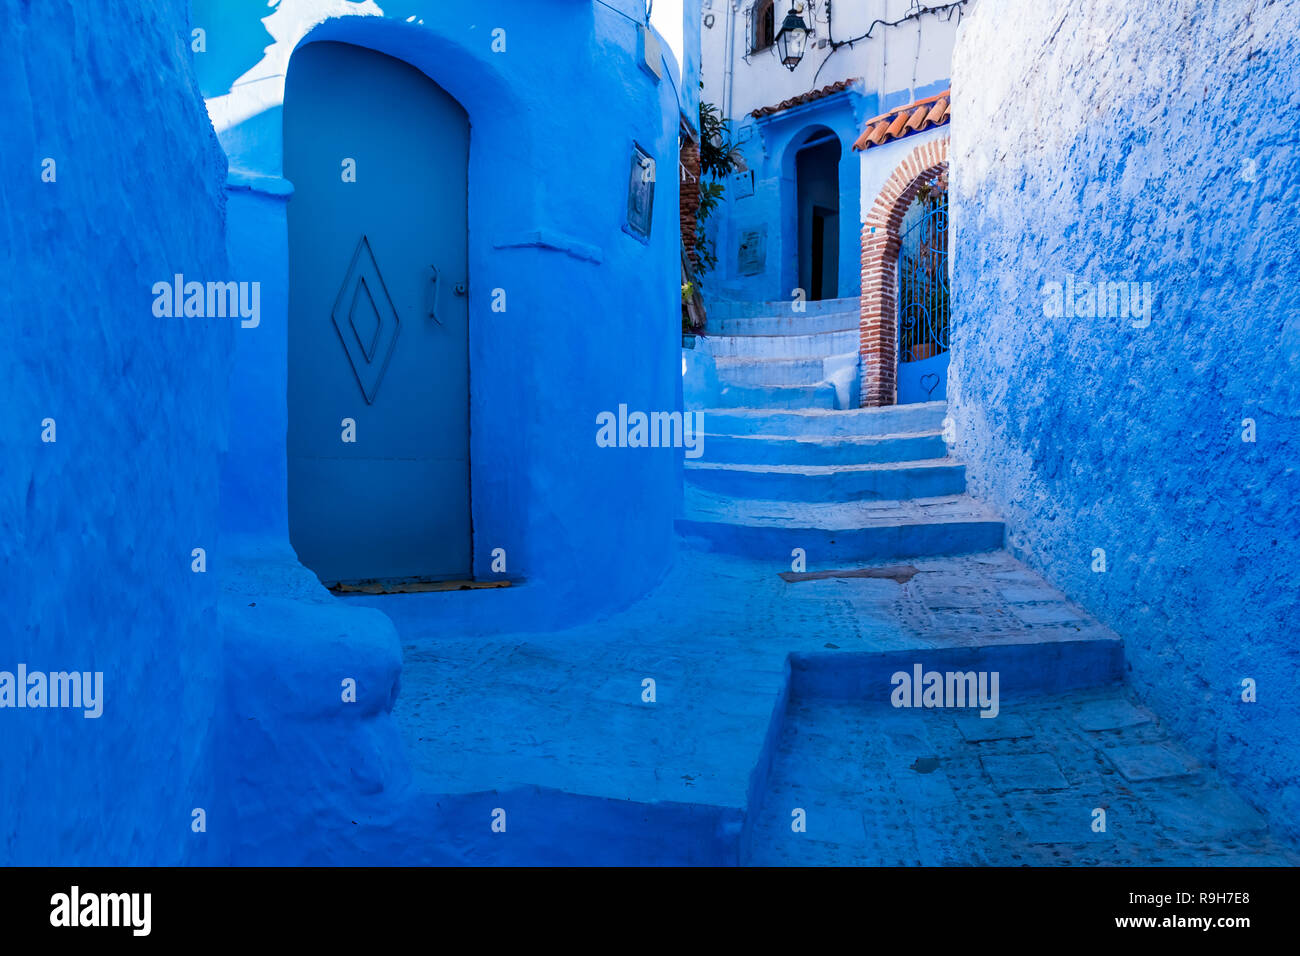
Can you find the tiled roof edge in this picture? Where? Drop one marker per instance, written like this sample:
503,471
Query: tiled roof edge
902,121
802,98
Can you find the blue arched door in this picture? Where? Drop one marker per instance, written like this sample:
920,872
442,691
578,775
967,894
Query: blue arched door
378,319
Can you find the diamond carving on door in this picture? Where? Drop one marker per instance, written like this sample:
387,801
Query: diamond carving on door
365,320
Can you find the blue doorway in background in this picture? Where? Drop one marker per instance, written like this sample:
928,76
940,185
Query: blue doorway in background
817,201
378,444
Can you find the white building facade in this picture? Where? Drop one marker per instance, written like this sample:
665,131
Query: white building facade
792,225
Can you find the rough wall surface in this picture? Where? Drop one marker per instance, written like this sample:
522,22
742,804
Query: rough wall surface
1123,142
688,203
97,527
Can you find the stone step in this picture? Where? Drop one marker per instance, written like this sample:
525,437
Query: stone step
786,323
820,450
740,309
733,370
820,396
885,481
834,532
1025,668
813,423
814,345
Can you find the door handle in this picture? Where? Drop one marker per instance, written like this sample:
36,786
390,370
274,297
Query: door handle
433,294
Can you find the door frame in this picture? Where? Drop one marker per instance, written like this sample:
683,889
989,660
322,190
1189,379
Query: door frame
881,242
814,137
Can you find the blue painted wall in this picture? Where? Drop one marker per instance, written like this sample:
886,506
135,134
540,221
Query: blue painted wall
692,15
591,322
1152,143
592,313
222,689
98,526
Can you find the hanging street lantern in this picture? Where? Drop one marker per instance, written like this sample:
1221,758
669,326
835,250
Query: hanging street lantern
792,39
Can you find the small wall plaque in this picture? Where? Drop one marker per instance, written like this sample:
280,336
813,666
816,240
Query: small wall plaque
751,256
742,184
640,194
651,55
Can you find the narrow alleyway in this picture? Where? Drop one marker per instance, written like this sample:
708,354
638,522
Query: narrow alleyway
1080,776
748,686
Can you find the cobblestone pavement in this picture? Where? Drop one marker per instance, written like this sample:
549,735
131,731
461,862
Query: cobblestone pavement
487,703
890,787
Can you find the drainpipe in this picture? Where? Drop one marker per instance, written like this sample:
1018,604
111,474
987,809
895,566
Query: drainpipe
728,69
884,39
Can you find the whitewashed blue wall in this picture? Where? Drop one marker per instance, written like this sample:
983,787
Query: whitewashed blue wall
1150,143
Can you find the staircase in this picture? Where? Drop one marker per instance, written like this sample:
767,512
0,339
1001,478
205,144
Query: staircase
790,461
769,356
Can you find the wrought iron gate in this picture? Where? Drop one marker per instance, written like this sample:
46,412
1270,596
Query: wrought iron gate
923,307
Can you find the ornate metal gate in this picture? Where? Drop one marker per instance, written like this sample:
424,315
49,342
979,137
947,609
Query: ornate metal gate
923,304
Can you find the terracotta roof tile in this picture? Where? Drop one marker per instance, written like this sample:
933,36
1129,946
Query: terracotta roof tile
912,118
803,98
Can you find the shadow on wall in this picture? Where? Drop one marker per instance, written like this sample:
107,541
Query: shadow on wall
105,506
1143,449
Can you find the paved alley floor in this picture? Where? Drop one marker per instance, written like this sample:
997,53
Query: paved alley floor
1080,779
485,705
565,710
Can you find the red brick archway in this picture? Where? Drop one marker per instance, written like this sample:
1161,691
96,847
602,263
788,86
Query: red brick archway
878,328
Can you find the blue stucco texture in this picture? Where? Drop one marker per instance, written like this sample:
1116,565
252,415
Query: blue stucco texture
97,528
1144,143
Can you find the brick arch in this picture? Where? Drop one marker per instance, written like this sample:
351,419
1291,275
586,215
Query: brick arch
878,326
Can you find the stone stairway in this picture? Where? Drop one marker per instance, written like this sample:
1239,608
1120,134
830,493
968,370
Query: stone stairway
882,787
775,689
789,460
769,356
853,485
